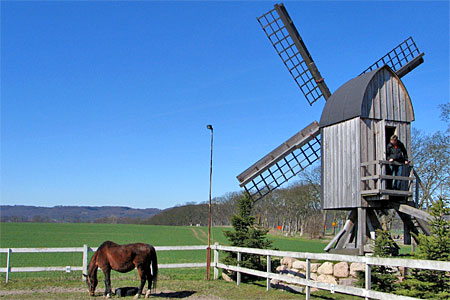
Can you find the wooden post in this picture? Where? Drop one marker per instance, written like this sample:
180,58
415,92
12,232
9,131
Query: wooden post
238,274
269,269
308,277
216,261
8,264
368,278
361,235
85,261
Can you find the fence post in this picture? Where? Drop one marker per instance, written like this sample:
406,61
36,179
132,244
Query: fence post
308,277
216,261
85,261
238,274
368,279
8,264
269,269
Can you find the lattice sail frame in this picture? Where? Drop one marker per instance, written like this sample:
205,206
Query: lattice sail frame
402,59
286,40
283,163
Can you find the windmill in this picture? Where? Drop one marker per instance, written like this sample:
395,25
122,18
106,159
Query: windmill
350,139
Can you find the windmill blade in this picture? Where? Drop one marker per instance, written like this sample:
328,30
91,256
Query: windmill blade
283,163
402,59
286,40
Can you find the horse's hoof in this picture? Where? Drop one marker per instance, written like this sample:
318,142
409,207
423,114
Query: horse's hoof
135,297
147,293
108,296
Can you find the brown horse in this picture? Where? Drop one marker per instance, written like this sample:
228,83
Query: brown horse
123,258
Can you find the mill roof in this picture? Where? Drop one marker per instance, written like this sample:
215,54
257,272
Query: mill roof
348,101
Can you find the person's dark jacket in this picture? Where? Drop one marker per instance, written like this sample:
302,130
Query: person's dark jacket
397,152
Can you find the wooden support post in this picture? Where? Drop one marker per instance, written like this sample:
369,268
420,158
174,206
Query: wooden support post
406,234
8,264
308,277
238,274
85,262
216,261
361,235
368,278
269,269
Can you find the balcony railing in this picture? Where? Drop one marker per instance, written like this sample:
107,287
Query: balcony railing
376,180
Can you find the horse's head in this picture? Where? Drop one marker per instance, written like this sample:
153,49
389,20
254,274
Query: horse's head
91,282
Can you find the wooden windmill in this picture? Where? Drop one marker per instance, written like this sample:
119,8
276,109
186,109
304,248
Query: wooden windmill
350,139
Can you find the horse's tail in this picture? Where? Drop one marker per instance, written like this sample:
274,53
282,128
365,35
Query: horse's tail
154,259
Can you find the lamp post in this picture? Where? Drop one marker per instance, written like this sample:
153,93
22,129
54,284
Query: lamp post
208,250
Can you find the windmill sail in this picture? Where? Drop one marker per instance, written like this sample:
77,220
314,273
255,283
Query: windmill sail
283,163
402,59
286,40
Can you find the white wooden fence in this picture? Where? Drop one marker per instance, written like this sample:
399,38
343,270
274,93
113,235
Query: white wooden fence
85,250
367,260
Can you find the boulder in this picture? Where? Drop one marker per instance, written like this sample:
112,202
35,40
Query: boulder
356,267
288,261
281,268
341,270
325,269
327,279
314,267
226,277
299,264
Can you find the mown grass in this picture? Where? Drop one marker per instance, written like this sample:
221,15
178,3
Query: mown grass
75,235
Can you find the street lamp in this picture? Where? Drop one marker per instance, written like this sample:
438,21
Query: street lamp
208,250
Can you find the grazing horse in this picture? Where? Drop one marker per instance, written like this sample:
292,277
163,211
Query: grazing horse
123,258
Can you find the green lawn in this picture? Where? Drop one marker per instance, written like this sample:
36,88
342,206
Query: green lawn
14,235
24,235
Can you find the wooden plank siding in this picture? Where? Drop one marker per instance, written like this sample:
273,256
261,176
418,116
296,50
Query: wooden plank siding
341,160
386,98
362,139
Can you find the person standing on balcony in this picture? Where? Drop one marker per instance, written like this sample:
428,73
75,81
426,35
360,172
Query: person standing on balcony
396,153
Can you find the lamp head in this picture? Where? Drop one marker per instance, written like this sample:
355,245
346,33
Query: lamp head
209,127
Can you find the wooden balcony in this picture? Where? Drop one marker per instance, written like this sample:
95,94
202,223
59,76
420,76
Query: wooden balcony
376,183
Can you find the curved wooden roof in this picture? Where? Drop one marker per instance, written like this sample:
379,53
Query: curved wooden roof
379,94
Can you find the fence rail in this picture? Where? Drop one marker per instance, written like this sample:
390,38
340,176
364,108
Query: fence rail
367,260
85,250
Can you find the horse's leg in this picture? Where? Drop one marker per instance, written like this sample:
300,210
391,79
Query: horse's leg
149,279
107,272
143,276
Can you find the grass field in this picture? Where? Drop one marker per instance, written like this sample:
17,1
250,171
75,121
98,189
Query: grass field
59,285
75,235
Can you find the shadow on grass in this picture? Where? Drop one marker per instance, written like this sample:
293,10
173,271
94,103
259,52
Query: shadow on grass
176,295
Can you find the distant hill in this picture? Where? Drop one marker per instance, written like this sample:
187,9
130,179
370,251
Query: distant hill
71,214
185,215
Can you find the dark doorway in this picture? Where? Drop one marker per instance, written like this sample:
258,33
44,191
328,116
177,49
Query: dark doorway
389,131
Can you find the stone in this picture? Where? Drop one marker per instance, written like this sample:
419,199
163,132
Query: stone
226,277
281,268
325,269
313,276
327,279
348,281
288,261
341,270
299,264
356,267
314,267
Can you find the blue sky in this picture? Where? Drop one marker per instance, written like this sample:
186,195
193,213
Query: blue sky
106,103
